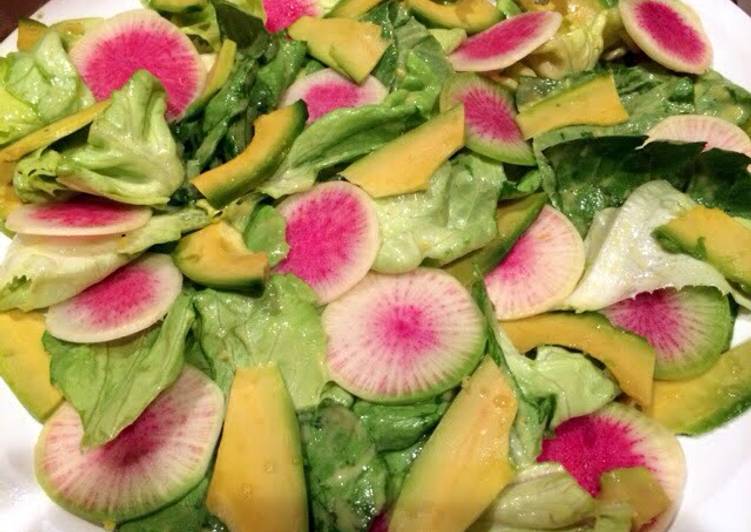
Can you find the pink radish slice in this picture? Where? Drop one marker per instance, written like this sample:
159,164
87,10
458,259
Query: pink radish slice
108,55
152,462
669,32
326,90
396,338
714,132
689,328
489,113
333,237
506,43
80,216
541,270
131,299
618,436
280,14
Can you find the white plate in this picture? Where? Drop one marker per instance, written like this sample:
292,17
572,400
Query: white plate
719,464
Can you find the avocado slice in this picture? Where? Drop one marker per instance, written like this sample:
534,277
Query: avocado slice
416,156
258,482
52,132
513,218
218,75
24,363
713,236
272,138
349,46
594,102
469,15
465,463
30,31
629,357
637,487
705,402
216,256
353,8
177,6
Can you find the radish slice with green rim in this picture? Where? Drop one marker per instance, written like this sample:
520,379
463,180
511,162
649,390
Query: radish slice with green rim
129,300
541,269
400,338
507,42
152,462
79,216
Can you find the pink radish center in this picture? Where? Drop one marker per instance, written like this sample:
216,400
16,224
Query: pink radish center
113,61
124,294
139,439
282,13
504,37
655,316
324,98
670,30
406,331
82,213
518,263
589,446
489,116
323,232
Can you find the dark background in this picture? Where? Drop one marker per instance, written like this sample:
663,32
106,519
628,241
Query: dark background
12,10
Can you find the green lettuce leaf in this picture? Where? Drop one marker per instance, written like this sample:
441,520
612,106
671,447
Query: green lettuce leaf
35,177
346,477
163,228
455,216
111,383
130,155
716,96
721,180
397,427
38,87
266,232
578,386
417,73
542,497
38,272
281,326
399,463
624,259
201,25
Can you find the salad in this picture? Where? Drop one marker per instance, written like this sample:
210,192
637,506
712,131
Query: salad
373,265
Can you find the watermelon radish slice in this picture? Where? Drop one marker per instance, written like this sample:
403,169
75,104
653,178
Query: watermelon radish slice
490,127
108,55
618,436
669,32
326,90
714,132
152,462
80,216
280,14
541,269
131,299
689,328
333,236
399,338
506,43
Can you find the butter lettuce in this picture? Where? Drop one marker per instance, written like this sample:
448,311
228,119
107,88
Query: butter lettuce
163,228
624,259
542,497
347,479
281,326
455,216
38,272
111,383
266,232
38,87
129,155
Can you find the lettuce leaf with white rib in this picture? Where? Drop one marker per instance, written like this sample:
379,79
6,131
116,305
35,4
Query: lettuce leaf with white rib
128,156
624,259
38,87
